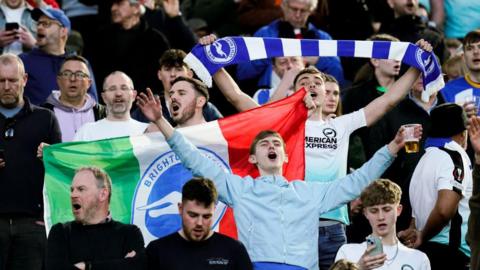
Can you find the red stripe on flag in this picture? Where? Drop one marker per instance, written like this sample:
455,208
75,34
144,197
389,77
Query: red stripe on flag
286,116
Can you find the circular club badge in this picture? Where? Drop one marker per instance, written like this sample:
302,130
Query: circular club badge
156,198
222,51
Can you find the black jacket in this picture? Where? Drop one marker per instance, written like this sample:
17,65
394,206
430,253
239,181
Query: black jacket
21,179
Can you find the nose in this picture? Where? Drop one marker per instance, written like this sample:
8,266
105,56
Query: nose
199,221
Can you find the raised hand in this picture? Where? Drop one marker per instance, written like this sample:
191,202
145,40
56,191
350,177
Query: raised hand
474,133
425,45
150,105
207,40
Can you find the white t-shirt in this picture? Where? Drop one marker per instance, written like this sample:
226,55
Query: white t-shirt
13,15
398,257
326,152
106,129
434,172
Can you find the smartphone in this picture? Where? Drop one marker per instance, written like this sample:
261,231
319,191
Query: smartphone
377,241
11,26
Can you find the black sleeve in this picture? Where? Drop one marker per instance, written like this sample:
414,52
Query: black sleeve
57,257
55,135
153,256
243,261
133,241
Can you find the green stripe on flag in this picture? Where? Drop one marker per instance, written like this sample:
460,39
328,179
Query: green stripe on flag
115,156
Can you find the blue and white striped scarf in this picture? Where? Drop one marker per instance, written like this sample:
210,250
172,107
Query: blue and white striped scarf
206,60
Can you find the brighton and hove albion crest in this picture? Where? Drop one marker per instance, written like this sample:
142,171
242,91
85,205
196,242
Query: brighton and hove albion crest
154,208
222,51
427,64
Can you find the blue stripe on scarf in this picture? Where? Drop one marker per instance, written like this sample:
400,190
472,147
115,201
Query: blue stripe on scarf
275,47
380,50
436,142
310,47
346,48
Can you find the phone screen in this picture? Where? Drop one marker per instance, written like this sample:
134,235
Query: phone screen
11,26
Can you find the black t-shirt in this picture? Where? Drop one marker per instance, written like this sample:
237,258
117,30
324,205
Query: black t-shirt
172,252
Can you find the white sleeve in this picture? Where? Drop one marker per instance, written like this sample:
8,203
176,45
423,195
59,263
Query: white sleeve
445,175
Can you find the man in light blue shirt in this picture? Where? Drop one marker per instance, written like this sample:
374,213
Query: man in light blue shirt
284,234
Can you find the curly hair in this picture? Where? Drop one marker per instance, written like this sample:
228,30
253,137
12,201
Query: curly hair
381,191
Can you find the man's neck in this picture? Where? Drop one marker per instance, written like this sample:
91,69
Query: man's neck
390,239
54,49
100,217
129,24
182,234
118,117
384,81
474,76
316,114
73,103
196,119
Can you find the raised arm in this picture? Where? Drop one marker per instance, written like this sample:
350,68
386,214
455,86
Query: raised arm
228,185
333,194
228,86
381,105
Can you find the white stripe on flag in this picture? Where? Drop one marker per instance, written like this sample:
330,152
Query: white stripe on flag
256,48
363,49
327,48
291,47
397,50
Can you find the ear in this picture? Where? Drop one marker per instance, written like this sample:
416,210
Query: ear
201,100
134,93
159,76
374,62
104,96
104,195
180,208
25,79
399,209
286,158
189,73
252,159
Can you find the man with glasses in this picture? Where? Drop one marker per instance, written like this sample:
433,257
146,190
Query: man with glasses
23,127
43,63
119,95
292,25
71,104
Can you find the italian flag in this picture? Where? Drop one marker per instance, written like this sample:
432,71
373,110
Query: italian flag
147,176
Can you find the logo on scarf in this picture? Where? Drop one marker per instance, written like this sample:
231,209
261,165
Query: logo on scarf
428,64
222,51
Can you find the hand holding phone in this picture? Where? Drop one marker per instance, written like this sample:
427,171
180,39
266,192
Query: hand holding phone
11,26
377,242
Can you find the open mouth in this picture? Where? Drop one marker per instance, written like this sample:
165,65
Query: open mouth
382,226
40,36
76,206
175,107
272,155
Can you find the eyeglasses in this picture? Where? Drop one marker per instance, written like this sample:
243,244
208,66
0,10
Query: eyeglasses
67,74
47,24
9,128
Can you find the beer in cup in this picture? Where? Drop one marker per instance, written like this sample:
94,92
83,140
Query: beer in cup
412,144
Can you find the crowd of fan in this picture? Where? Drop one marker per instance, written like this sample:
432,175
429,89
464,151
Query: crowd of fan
84,70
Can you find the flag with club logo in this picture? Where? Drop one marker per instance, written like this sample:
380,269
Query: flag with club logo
147,176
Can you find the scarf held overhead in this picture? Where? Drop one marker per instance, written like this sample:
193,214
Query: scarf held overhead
206,60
